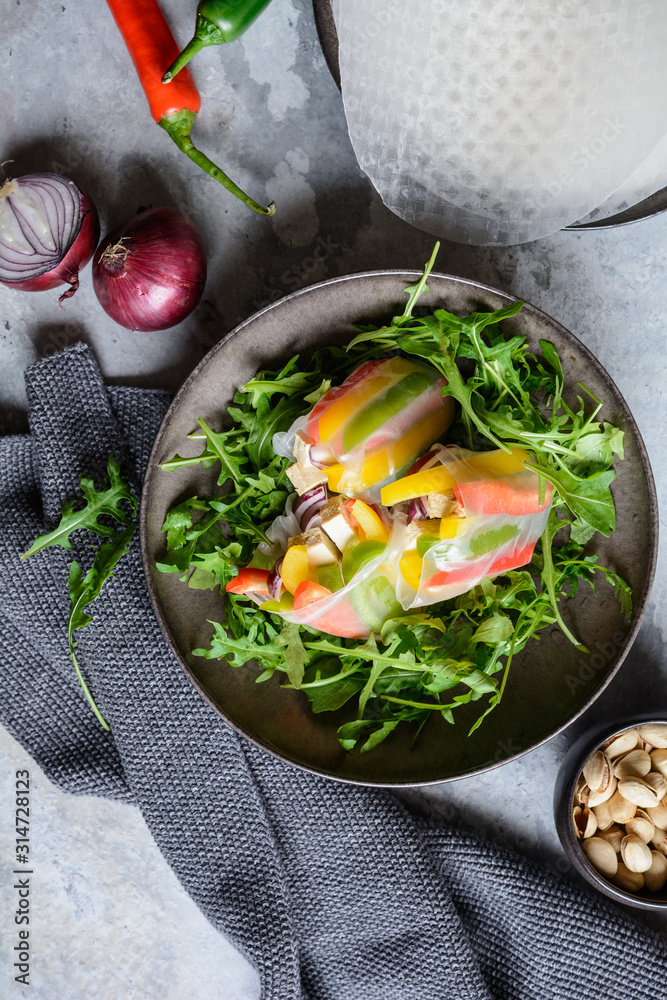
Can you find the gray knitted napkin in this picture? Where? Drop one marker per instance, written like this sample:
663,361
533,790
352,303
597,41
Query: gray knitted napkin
332,892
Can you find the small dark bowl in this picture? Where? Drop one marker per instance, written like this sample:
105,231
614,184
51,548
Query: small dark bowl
566,783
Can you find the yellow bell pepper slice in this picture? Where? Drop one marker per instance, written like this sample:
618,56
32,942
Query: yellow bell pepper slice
410,566
356,398
440,479
376,467
452,527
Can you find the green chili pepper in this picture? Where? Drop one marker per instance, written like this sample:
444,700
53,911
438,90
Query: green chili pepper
218,22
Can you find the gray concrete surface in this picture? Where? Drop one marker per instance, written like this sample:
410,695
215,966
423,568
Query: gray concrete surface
111,920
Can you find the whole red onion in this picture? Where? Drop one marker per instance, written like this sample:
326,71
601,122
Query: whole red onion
48,231
149,273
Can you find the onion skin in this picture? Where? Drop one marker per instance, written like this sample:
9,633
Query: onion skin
77,256
150,272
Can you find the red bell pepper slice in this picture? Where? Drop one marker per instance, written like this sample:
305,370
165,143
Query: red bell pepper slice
340,620
335,393
502,496
465,573
250,581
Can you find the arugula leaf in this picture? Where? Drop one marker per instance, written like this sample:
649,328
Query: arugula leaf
296,656
84,589
590,499
107,500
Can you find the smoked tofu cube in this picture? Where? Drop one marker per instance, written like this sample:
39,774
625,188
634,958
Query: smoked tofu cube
442,505
336,522
321,550
304,477
414,530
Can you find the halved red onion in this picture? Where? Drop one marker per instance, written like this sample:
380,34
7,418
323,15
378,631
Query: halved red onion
306,506
48,231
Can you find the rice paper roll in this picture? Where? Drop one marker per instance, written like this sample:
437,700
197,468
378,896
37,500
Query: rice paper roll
367,431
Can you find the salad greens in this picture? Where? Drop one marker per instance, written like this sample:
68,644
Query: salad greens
108,500
445,655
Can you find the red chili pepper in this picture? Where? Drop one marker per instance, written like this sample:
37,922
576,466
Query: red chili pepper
152,47
249,581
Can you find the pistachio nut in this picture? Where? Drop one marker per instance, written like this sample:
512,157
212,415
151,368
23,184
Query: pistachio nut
625,879
596,797
601,855
597,771
614,835
585,821
603,816
658,814
621,744
659,761
655,734
637,790
657,782
659,841
620,808
656,876
635,764
641,825
635,853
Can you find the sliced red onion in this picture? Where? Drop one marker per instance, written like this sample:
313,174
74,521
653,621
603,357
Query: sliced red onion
48,231
427,461
320,456
417,510
315,521
276,580
309,504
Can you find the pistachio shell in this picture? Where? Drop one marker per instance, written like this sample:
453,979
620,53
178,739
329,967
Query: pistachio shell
621,744
656,876
620,808
603,816
638,791
625,879
597,771
614,835
658,814
635,764
657,782
659,841
656,734
581,791
635,854
596,797
585,821
659,761
641,825
601,855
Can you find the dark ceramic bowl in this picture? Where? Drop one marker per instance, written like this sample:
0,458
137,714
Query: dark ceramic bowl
550,683
566,783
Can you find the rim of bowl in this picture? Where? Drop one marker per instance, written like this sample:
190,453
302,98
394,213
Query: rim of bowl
566,783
